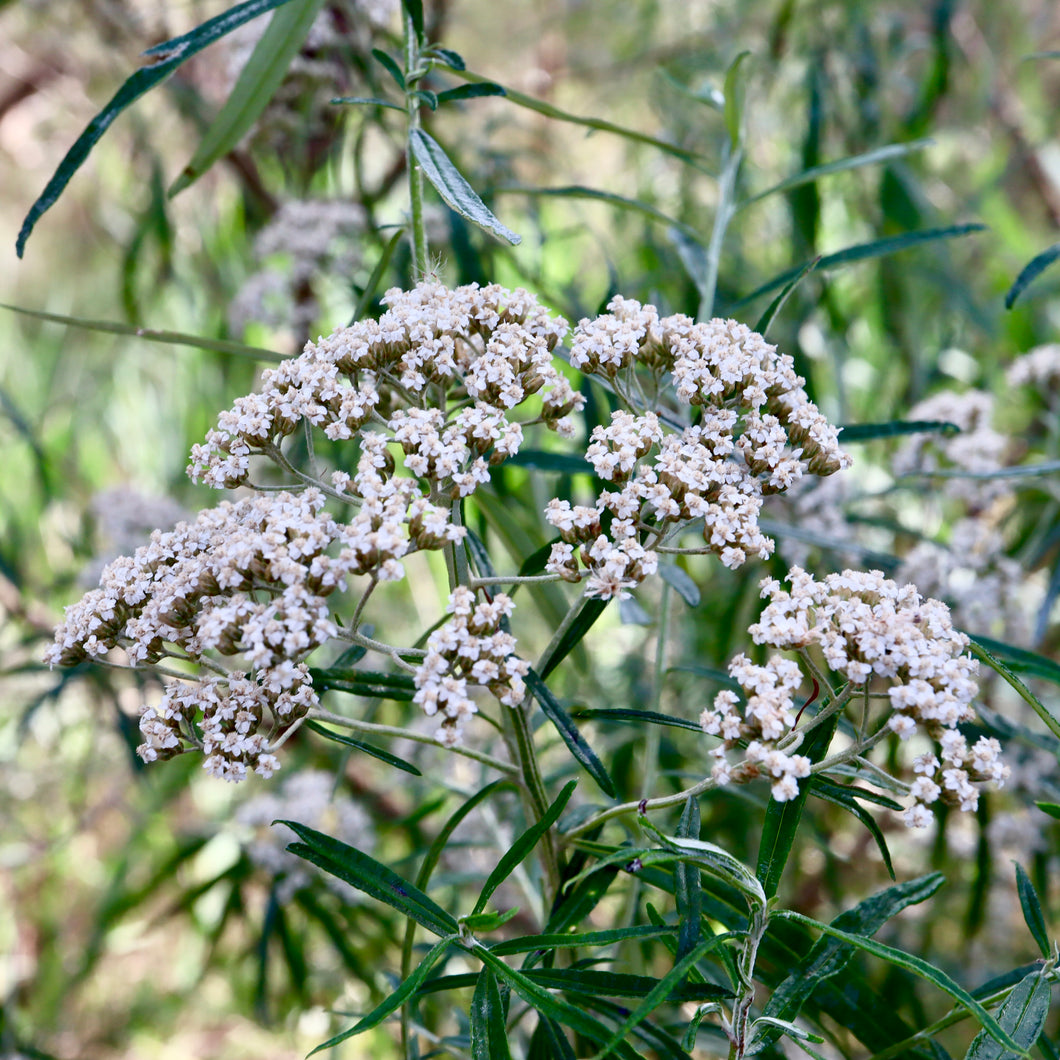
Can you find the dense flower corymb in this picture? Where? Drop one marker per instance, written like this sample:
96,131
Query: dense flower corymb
876,635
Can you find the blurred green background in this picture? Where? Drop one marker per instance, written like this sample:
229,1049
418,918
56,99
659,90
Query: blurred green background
139,925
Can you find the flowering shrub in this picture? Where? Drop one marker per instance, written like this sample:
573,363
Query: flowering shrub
371,464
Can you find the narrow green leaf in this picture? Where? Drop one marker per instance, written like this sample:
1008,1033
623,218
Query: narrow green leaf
369,683
540,998
711,672
591,609
489,1036
395,1000
375,279
580,191
782,818
774,307
452,59
366,874
733,91
414,9
979,650
173,338
1023,1016
660,1045
1032,911
693,255
578,900
485,88
371,101
453,188
648,717
564,463
840,796
487,922
166,57
877,248
828,956
687,889
556,114
917,966
826,169
576,743
864,432
630,613
617,984
1051,808
390,65
659,993
522,847
549,1039
254,88
425,95
1020,660
366,748
1030,272
681,581
578,940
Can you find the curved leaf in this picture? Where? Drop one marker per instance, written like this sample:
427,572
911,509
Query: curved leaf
1030,272
453,188
1022,1015
256,85
166,57
1032,911
578,745
366,748
649,717
489,1036
863,432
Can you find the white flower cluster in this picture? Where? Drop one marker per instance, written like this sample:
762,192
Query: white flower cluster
249,578
757,434
766,718
977,448
868,627
1039,368
488,349
470,649
317,237
233,709
307,796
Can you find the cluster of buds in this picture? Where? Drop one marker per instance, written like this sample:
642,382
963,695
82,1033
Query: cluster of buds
223,717
767,717
470,649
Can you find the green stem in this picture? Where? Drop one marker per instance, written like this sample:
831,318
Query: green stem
708,283
418,230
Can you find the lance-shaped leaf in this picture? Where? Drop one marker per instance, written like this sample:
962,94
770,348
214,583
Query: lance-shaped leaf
256,85
581,939
165,58
590,609
1023,1016
983,648
828,956
920,967
366,874
172,338
396,999
546,1003
366,748
1030,272
774,307
864,432
594,983
522,847
637,717
1032,911
453,188
782,818
681,581
489,1036
687,888
577,744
